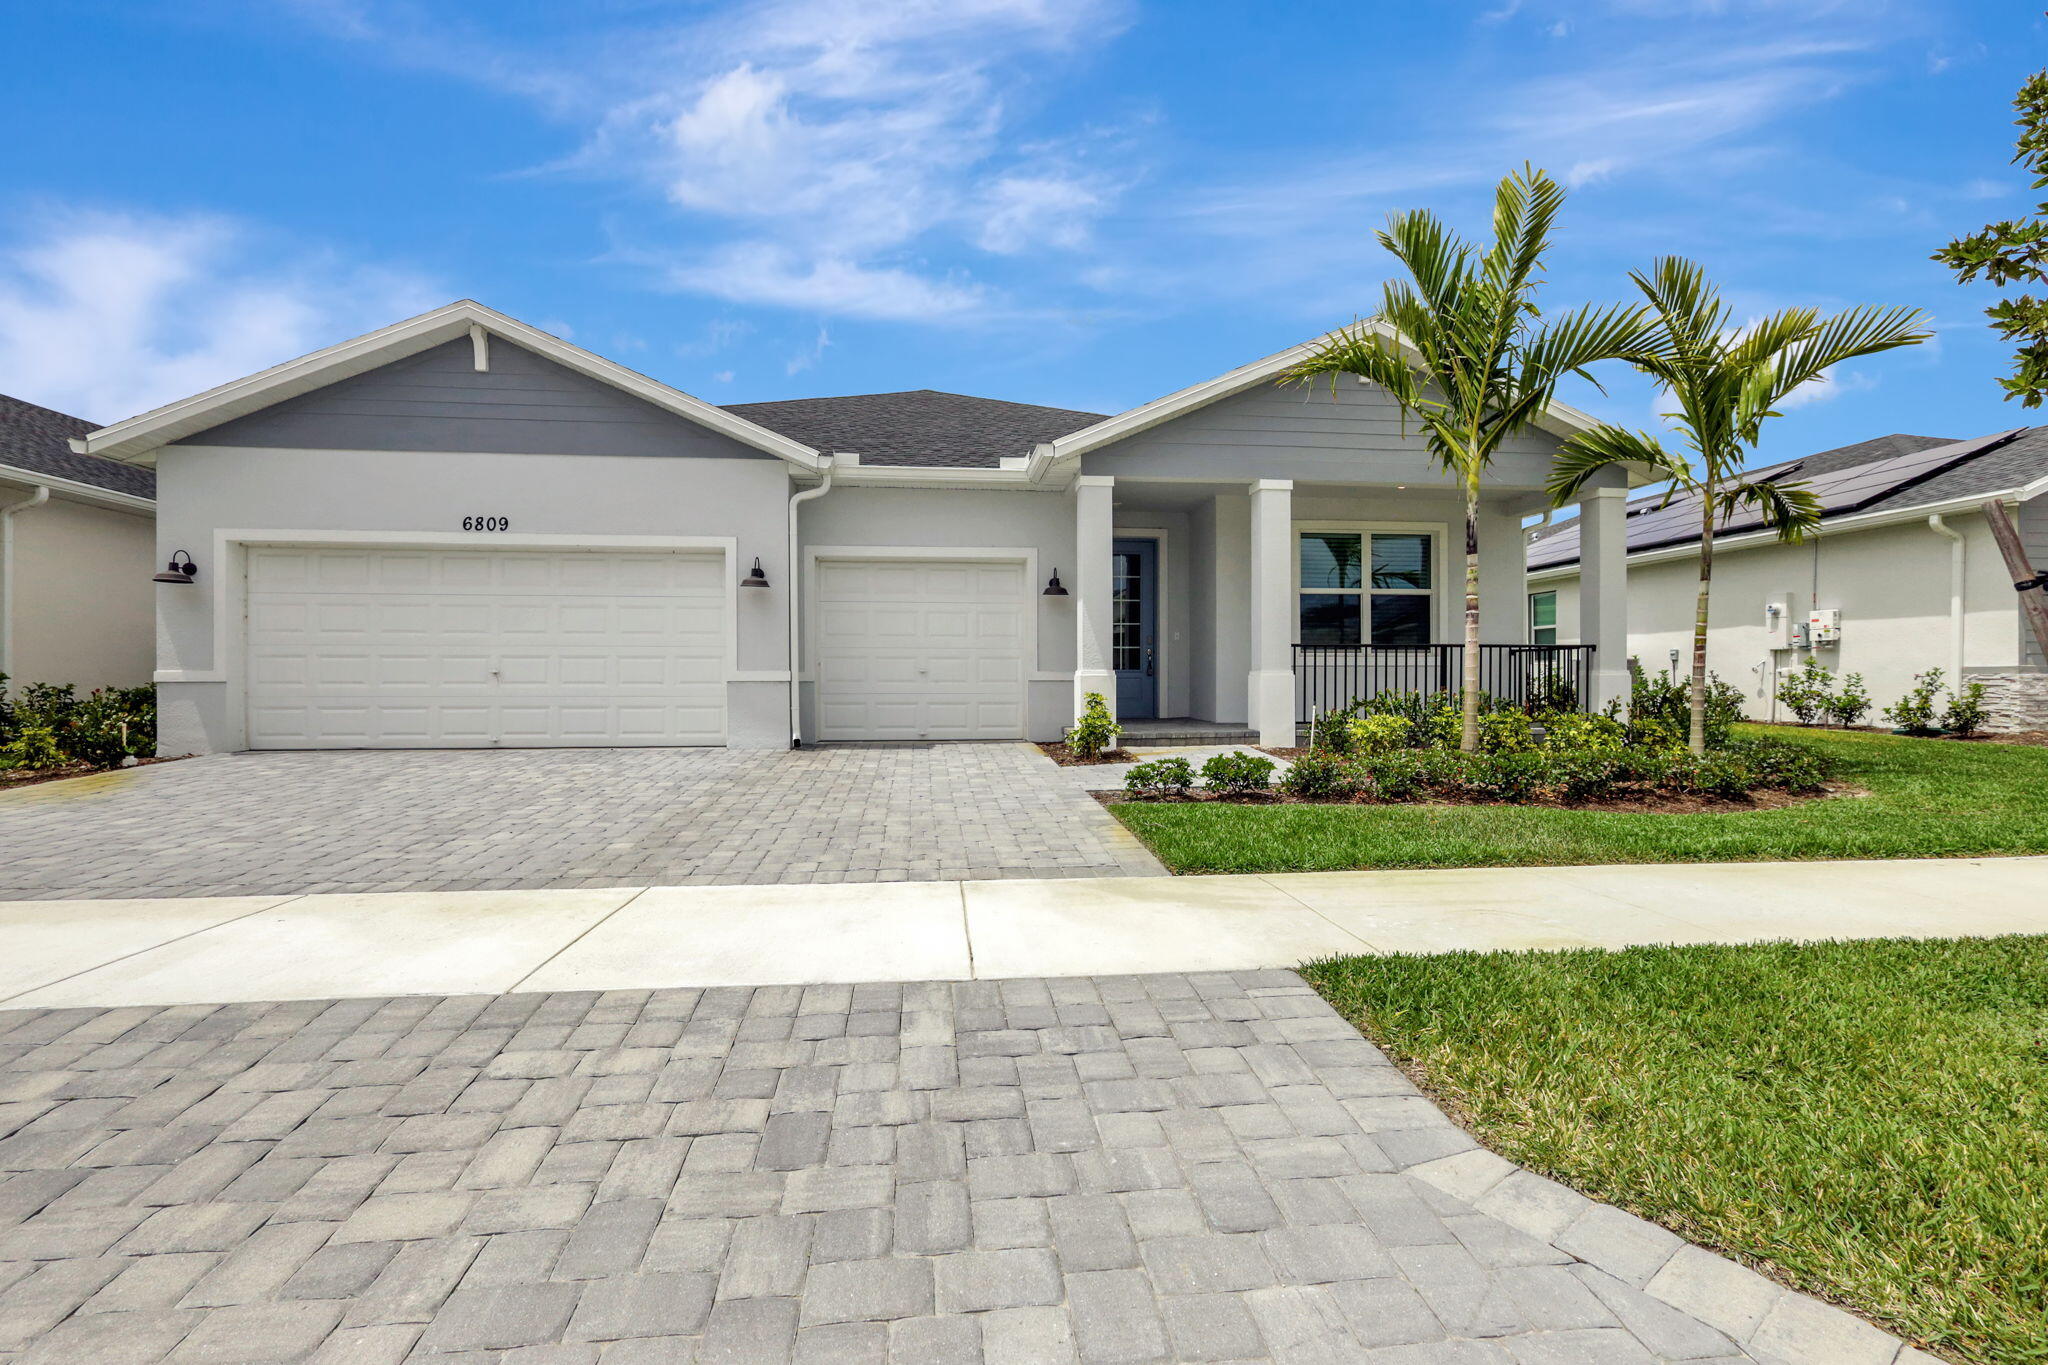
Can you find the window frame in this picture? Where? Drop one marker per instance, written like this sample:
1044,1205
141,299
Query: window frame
1436,536
1551,593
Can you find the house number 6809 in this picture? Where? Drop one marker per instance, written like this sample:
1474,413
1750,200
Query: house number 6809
487,523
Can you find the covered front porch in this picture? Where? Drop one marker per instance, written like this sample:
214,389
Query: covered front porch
1258,604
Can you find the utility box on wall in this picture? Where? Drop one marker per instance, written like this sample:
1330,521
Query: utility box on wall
1781,629
1824,628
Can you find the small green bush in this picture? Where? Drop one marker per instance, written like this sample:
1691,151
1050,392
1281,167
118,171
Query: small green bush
1511,776
1319,776
1914,713
1381,734
101,729
1852,703
1096,731
1504,732
33,746
1808,691
1160,777
1965,713
1576,730
1238,774
1775,765
1586,775
1393,777
1660,710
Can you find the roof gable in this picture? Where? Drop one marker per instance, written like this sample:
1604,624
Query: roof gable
138,438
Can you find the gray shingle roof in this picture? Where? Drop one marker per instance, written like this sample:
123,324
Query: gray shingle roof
2004,465
922,427
38,440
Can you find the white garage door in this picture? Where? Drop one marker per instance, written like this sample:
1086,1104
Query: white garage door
397,649
920,649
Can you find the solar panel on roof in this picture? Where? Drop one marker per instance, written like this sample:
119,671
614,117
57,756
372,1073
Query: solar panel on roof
1847,489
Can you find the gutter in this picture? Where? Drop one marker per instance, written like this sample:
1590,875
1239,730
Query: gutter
1862,521
83,492
796,727
1957,549
7,516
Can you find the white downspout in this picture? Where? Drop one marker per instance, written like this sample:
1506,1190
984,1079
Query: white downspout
796,726
7,516
1956,550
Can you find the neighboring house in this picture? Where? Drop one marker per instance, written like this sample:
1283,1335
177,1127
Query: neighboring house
1903,570
461,531
77,543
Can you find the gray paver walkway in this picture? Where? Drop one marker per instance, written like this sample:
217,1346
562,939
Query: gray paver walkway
1210,1167
257,823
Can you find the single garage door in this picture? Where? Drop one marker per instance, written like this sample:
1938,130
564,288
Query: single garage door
920,649
401,649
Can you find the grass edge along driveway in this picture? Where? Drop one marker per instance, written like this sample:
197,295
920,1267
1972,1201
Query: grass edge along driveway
1929,798
1866,1121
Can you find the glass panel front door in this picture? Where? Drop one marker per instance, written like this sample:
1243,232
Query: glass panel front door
1134,627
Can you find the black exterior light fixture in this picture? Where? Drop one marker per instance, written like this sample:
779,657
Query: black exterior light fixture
756,579
175,572
1053,586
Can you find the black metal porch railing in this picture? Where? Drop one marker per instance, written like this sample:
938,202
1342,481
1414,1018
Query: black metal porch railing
1529,676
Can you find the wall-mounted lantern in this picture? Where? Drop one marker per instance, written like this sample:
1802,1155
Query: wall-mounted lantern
756,579
1053,586
177,572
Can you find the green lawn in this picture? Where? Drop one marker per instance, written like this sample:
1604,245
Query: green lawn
1865,1121
1929,798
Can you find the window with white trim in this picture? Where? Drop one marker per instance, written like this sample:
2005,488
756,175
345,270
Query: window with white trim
1366,587
1543,618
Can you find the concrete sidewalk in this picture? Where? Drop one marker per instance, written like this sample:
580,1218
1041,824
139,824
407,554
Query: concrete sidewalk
189,950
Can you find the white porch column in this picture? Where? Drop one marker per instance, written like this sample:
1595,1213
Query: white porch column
1269,688
1094,549
1603,590
1503,577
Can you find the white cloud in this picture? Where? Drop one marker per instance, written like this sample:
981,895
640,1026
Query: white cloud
764,272
809,355
106,314
1024,211
1828,385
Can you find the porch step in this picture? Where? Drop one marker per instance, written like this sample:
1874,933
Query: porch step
1146,734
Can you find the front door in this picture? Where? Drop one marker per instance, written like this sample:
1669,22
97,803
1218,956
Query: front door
1134,642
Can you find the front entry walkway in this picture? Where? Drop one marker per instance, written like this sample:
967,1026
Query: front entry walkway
1151,1169
286,823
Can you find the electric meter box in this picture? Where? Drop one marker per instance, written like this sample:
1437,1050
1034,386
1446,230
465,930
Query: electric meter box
1824,627
1780,629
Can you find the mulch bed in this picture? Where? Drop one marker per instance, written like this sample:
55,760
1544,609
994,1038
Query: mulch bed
2035,738
1067,758
1659,803
30,777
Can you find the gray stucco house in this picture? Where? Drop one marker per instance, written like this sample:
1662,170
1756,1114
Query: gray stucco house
461,531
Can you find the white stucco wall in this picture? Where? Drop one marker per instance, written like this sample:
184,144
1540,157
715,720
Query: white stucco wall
83,604
205,492
1891,584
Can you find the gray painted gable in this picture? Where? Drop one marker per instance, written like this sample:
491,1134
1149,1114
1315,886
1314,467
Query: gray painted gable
525,404
1316,434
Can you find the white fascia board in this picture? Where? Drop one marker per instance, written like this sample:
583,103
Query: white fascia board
78,492
137,439
1557,418
927,476
1862,521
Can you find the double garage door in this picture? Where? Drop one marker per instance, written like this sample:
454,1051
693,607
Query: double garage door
367,649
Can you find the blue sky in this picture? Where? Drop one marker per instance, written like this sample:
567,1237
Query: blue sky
1084,203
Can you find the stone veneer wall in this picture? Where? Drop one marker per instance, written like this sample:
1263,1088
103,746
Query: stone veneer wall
2016,700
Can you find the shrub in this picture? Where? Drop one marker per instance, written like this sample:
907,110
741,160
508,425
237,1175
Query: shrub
1775,765
1808,691
1160,777
1576,730
1718,773
1852,703
1380,734
1239,773
1318,776
1393,777
1585,775
1660,710
1965,713
1914,713
1504,732
1443,727
1511,776
1096,730
33,746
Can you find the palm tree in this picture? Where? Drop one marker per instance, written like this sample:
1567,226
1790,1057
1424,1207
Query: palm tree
1459,344
1725,381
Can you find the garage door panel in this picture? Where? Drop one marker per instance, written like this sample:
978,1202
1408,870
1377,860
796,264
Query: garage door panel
920,649
374,648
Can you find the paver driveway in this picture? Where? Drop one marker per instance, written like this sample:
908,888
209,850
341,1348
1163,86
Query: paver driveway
260,823
1113,1169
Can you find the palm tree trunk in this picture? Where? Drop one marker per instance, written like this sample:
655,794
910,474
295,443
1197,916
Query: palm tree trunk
1696,739
1468,735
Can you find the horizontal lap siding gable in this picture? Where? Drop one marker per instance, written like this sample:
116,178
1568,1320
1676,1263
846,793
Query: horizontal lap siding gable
524,404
